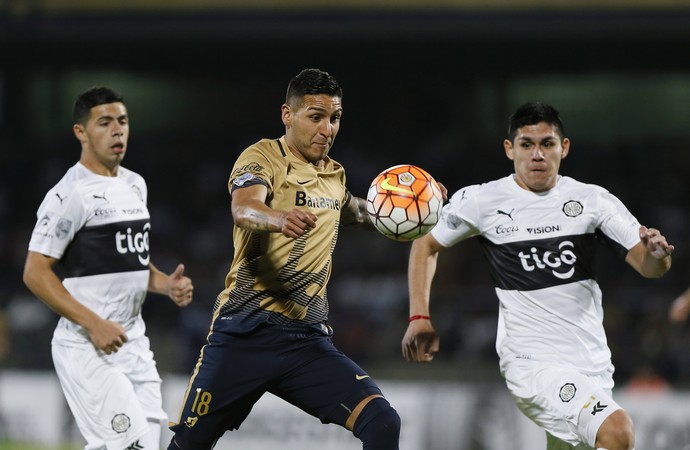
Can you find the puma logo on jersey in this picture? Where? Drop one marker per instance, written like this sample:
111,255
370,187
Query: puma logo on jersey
100,197
509,214
62,199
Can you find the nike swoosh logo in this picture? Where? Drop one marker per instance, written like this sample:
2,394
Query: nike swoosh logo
387,186
303,182
361,377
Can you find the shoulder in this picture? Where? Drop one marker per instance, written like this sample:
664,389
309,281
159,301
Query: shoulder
130,176
73,180
568,184
481,189
259,163
136,182
67,198
256,157
269,148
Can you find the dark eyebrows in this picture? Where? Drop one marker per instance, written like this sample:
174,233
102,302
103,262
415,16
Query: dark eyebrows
323,111
110,118
544,139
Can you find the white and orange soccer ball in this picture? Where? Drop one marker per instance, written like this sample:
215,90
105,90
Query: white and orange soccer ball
404,202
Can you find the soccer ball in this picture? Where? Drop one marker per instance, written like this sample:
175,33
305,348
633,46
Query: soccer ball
404,202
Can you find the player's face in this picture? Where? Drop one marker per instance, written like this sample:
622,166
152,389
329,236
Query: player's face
311,127
536,152
104,138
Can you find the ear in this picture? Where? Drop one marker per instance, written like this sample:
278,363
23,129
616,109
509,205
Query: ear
508,147
286,115
79,132
566,148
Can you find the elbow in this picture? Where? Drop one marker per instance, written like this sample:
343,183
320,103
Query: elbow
27,275
29,278
26,279
241,218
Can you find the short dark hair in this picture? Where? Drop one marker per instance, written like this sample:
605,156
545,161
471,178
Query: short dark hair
533,113
97,95
312,82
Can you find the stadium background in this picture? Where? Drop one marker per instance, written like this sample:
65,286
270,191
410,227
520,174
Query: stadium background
426,82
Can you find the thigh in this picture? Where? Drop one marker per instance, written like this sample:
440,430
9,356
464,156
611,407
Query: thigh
135,359
232,373
324,382
101,398
567,404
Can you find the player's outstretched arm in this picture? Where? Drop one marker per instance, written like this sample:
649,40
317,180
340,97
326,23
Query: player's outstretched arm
680,308
420,342
40,278
176,286
651,257
249,211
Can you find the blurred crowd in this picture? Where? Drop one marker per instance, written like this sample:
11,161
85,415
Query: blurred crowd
191,223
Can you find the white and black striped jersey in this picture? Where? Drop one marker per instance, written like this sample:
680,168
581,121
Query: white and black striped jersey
98,229
540,248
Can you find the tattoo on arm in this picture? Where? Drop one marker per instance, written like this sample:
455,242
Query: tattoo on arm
258,222
355,213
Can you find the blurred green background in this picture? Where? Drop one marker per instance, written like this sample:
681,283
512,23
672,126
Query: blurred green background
425,82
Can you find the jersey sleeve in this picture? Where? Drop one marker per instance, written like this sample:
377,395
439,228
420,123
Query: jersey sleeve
252,167
616,222
60,215
459,218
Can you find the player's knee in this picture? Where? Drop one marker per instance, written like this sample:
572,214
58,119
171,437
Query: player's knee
378,426
617,432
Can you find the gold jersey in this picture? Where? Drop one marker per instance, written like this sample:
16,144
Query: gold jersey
274,278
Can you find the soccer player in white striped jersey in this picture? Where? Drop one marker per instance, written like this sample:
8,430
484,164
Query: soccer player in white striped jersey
93,228
539,230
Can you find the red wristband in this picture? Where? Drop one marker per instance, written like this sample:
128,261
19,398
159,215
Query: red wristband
418,317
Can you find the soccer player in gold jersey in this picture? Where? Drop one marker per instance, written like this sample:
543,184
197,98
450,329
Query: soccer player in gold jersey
269,330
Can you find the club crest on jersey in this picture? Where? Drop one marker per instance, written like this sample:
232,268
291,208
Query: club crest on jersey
572,208
137,191
120,423
567,392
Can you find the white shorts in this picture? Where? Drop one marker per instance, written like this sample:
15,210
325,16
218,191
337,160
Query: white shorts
112,397
569,405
